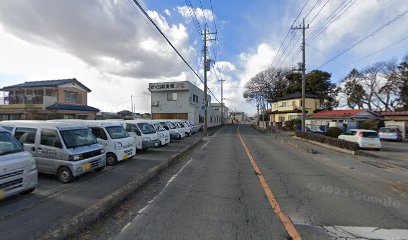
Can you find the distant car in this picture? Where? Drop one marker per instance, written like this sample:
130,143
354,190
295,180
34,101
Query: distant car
390,133
364,138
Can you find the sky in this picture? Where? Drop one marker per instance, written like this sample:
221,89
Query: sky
110,47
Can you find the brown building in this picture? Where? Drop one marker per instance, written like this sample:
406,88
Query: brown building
40,100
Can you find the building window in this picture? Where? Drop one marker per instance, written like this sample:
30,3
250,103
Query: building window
281,119
292,117
171,96
71,97
283,104
195,98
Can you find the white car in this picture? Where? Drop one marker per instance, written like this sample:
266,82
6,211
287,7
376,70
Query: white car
364,138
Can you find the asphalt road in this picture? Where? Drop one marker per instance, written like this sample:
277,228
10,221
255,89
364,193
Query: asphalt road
217,195
53,203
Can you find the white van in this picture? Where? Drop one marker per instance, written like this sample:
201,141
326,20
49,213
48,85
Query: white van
112,136
18,172
189,129
180,125
164,134
143,132
63,149
175,132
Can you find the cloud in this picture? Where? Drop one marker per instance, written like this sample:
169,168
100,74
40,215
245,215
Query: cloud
109,35
106,45
203,15
167,12
357,22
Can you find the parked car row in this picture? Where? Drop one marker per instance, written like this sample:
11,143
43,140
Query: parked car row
70,148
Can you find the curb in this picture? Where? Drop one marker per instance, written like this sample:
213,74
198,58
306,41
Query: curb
299,147
101,207
342,150
258,128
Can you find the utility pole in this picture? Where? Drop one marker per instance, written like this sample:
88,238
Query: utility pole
131,102
222,101
303,28
206,68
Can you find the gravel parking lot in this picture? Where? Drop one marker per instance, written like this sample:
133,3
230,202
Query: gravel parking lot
54,202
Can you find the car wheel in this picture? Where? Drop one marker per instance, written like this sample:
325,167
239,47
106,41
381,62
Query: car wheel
28,191
377,149
111,159
65,175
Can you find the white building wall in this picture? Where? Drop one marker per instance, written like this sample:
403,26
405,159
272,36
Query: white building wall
185,102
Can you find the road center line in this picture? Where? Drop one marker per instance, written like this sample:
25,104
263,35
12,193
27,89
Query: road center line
287,223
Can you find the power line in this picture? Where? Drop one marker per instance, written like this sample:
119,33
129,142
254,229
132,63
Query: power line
172,46
318,12
366,37
193,17
326,21
287,34
216,30
334,19
375,52
312,8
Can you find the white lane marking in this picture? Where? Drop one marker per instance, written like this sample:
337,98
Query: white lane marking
154,198
354,232
126,226
204,145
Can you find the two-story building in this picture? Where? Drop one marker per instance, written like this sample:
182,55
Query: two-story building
40,100
290,107
182,100
219,111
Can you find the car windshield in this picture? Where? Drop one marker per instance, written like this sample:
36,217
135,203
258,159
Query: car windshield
164,125
171,125
387,130
8,144
116,132
146,128
158,127
370,134
78,137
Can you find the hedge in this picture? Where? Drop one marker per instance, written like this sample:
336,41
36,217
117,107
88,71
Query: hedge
328,140
334,132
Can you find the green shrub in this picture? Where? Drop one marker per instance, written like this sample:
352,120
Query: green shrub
370,125
328,140
334,132
290,125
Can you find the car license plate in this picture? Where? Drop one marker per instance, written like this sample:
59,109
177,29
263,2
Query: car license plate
125,156
86,166
2,194
372,145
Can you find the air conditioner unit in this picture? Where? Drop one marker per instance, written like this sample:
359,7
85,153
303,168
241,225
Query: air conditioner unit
155,103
